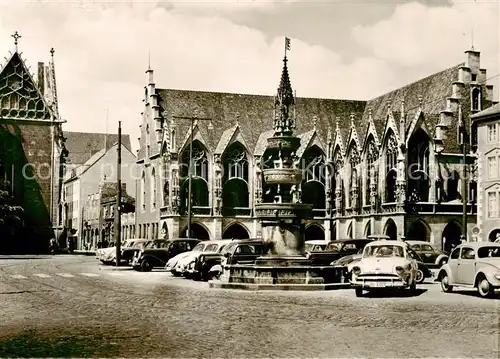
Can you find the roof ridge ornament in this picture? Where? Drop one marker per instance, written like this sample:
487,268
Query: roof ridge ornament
352,120
420,101
16,37
315,121
389,104
237,118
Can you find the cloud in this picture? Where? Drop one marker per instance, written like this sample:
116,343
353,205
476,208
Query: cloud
102,53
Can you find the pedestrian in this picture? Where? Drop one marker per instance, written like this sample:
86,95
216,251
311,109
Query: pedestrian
53,245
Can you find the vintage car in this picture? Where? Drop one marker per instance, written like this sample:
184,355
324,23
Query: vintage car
315,245
431,256
336,250
472,264
239,252
176,265
148,258
201,262
352,260
385,264
127,253
107,256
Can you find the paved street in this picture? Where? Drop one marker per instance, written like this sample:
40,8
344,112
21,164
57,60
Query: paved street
73,307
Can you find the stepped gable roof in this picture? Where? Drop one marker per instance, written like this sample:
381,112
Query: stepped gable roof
433,90
83,145
255,111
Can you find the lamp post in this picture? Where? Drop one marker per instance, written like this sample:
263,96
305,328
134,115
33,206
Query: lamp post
118,219
193,119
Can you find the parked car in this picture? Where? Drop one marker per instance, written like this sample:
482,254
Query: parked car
472,264
175,265
240,252
385,264
337,249
127,253
431,256
107,255
201,262
148,258
315,245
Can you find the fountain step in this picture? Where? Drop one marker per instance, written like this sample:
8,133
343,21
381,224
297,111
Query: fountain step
291,287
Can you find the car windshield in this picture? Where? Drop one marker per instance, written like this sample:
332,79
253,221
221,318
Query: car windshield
199,247
487,252
333,247
212,248
349,246
426,248
384,251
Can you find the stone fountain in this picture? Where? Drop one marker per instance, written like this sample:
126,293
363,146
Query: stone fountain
282,214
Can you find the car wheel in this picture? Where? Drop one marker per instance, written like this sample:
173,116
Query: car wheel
445,284
145,266
359,292
484,288
420,277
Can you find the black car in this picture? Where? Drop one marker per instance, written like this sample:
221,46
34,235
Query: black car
160,252
336,250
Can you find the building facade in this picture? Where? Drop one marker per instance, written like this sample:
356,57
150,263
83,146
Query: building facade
487,124
31,148
391,165
84,180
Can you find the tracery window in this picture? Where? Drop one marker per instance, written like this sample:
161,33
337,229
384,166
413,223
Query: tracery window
371,169
313,183
391,155
199,172
235,192
418,166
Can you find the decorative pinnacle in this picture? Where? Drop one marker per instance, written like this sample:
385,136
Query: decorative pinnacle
195,113
16,37
420,100
352,119
284,119
52,52
237,116
369,112
337,128
389,104
315,121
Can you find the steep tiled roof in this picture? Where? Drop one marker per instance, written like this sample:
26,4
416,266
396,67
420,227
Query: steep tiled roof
83,145
256,113
493,110
433,91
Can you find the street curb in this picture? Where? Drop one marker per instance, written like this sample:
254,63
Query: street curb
84,253
283,287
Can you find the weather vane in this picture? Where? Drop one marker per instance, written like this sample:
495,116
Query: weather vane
16,37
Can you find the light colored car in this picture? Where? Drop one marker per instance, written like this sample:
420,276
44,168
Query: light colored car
177,264
213,249
107,255
475,265
385,264
315,245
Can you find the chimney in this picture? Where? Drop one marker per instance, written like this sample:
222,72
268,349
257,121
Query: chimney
41,77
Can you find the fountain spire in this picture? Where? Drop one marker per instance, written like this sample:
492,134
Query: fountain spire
284,102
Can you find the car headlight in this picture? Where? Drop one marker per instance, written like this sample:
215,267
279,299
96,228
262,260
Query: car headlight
356,270
399,269
497,275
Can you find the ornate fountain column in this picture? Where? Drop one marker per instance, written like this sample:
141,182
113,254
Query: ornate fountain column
283,219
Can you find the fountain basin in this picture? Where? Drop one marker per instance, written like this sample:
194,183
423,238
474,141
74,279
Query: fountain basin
283,210
291,176
287,143
281,273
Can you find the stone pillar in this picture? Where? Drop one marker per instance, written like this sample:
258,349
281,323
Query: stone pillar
400,182
217,205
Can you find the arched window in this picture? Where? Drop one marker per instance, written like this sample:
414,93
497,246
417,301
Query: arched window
199,183
354,161
313,183
418,167
391,154
476,99
143,191
371,169
153,192
235,193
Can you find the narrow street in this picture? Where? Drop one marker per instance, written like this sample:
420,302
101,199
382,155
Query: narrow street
71,306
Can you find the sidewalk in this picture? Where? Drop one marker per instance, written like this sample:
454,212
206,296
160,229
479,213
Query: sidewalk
84,253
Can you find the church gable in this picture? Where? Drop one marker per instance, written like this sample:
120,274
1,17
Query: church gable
20,97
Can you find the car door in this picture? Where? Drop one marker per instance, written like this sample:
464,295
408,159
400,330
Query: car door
453,263
466,267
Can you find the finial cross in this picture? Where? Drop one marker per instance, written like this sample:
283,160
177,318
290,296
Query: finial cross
16,37
52,52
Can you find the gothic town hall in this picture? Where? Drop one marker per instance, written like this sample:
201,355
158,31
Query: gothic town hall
391,165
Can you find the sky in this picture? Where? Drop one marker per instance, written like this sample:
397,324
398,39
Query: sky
339,49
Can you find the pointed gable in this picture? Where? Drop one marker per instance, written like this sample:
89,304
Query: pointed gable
197,136
353,140
370,131
228,137
20,98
